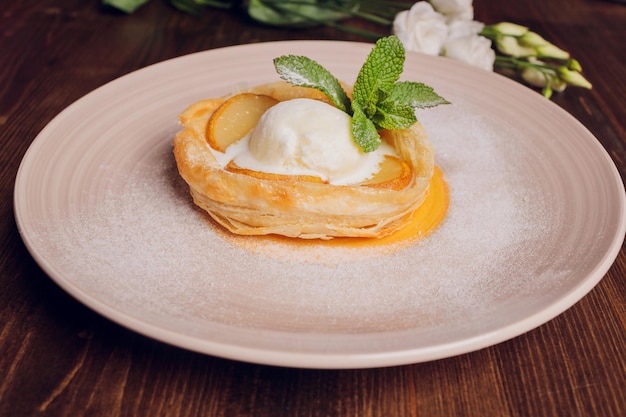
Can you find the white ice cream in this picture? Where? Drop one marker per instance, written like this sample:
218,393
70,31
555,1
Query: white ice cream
307,137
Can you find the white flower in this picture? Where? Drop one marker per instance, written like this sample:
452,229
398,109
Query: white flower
462,28
421,29
465,44
454,9
472,49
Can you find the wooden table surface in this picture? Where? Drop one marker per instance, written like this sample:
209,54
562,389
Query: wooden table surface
58,358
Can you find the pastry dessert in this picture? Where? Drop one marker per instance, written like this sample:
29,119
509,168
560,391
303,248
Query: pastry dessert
252,184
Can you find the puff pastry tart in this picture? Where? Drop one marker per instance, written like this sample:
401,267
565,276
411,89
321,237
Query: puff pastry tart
294,206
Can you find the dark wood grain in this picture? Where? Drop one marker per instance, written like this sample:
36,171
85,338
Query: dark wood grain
58,358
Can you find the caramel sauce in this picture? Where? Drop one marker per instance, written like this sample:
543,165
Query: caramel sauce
422,223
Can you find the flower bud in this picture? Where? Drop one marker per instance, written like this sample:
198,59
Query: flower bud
539,74
509,46
558,85
555,85
509,29
574,65
551,51
532,39
574,78
534,77
547,91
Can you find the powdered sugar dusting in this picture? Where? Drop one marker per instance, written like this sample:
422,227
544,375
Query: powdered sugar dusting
146,247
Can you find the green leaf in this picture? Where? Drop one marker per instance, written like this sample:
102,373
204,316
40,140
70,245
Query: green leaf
394,115
380,71
417,95
187,6
195,7
127,6
364,131
293,13
305,72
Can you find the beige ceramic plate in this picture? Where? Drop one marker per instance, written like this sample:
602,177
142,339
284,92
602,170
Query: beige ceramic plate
536,219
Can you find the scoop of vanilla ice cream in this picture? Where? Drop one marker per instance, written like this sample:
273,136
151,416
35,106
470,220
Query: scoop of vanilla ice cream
309,137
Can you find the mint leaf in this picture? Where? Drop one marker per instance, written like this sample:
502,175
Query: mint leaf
380,71
305,72
364,131
417,95
394,115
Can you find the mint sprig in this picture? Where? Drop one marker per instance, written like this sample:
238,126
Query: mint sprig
379,100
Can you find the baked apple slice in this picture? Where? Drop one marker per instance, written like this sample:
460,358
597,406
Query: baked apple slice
394,174
235,117
233,167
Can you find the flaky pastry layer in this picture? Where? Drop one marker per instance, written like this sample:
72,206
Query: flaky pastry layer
251,206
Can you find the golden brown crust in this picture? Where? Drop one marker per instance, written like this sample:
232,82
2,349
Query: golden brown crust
251,206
